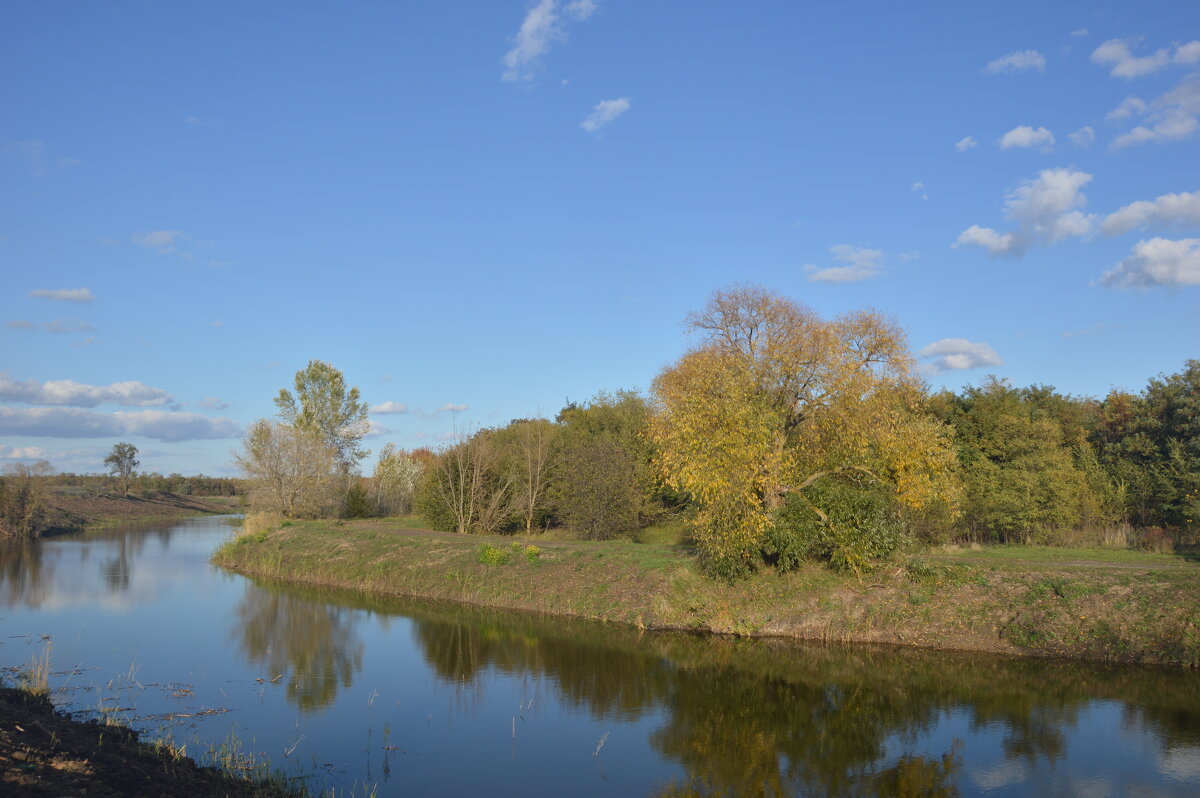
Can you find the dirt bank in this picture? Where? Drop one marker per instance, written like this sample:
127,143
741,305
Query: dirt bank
46,753
71,512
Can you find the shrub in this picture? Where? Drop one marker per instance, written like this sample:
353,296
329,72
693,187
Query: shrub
493,555
356,504
596,492
862,525
531,553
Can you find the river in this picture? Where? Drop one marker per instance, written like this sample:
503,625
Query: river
421,699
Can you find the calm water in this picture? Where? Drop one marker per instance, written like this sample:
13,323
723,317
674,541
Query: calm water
428,699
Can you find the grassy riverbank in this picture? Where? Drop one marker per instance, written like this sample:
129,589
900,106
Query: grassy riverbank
1094,604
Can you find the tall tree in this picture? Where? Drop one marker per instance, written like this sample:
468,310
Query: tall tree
527,451
1151,444
121,462
291,469
1017,449
775,399
586,434
467,489
395,478
322,404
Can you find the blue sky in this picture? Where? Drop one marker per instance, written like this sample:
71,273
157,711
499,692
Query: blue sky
478,211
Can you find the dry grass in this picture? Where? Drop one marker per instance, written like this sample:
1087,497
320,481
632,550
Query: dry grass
255,523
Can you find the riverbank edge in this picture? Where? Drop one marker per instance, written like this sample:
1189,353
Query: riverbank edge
1135,615
74,517
45,751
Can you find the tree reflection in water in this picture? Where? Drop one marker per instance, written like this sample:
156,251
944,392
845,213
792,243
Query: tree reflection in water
743,717
34,572
310,641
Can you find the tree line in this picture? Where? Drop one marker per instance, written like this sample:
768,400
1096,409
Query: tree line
778,437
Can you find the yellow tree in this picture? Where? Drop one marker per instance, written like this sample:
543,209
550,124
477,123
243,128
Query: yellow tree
775,399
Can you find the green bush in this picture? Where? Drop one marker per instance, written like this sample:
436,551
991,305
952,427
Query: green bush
356,504
862,525
429,504
494,555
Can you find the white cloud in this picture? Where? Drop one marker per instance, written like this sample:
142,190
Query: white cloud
433,436
604,112
389,407
581,9
213,403
1171,117
20,324
965,143
1080,32
917,186
1046,210
450,407
541,29
22,453
1026,136
994,242
376,430
1157,262
538,31
64,294
957,354
161,241
1187,53
1084,137
1019,61
67,326
1182,209
69,392
1128,107
862,263
1118,53
71,422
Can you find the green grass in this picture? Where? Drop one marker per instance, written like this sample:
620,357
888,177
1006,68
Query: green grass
410,521
1039,555
1093,603
667,533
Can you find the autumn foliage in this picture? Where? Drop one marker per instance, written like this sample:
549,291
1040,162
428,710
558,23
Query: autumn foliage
774,405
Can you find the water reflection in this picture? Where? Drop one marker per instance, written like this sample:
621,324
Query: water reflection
688,715
312,644
71,570
754,717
